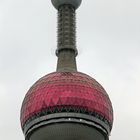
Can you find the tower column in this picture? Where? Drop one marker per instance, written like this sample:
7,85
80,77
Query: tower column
66,39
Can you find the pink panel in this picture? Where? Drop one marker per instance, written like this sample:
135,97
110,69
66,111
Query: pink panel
75,89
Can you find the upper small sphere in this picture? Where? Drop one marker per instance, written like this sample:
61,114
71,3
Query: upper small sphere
58,3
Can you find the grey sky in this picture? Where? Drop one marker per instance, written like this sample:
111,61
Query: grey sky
108,40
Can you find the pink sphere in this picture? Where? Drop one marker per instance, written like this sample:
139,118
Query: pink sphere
74,91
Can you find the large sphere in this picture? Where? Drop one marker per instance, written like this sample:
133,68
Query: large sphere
74,3
66,95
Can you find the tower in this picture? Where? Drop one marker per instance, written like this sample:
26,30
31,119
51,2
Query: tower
66,104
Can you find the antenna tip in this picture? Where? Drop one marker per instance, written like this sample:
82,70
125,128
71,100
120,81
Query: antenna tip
74,3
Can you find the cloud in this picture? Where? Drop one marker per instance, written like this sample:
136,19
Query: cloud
108,34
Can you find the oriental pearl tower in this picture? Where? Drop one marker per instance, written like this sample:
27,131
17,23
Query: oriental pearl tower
66,104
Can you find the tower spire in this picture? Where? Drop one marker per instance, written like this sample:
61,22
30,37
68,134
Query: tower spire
66,34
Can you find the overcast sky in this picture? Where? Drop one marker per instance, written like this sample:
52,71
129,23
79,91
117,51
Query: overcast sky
108,40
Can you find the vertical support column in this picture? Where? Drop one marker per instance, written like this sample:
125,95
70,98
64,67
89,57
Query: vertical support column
66,47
